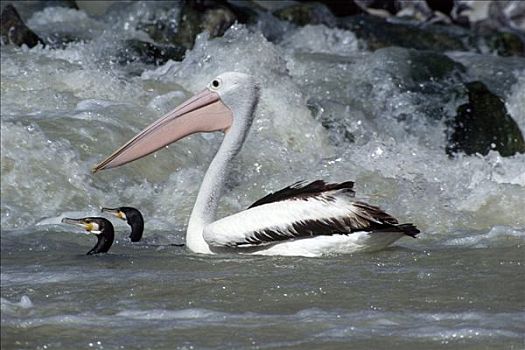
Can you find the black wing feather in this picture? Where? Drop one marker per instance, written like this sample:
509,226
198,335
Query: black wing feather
300,190
367,218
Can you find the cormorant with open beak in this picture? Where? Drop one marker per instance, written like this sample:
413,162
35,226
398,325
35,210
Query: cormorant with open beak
133,217
100,227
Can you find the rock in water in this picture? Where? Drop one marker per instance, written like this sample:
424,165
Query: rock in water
307,13
149,53
193,18
217,21
379,33
483,124
14,30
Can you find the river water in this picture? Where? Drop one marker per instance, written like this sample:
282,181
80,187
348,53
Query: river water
330,109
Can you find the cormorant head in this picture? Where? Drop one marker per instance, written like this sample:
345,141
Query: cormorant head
100,227
133,217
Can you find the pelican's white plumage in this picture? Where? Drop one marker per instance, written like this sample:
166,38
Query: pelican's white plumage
303,219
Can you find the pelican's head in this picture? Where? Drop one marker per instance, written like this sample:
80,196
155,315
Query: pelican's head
227,104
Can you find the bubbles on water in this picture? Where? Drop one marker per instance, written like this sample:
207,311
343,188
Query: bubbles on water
321,39
515,103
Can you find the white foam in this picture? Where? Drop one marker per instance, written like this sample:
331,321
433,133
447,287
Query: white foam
64,111
321,39
10,307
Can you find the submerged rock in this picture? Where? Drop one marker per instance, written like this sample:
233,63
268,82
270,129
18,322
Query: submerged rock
307,13
483,124
175,32
379,33
27,8
430,80
193,18
217,21
382,7
14,30
413,67
150,53
342,8
501,43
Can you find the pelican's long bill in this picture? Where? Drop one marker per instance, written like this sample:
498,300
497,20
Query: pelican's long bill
204,112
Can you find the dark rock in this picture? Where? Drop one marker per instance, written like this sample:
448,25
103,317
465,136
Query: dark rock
195,17
27,8
14,30
431,78
443,6
342,8
189,25
162,29
495,71
483,124
217,21
307,13
71,4
414,67
390,6
137,50
502,43
245,11
199,16
379,33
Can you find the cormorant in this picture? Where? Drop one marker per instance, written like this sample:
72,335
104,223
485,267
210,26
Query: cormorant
133,217
100,227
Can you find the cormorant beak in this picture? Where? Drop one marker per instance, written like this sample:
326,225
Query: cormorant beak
204,112
88,226
118,213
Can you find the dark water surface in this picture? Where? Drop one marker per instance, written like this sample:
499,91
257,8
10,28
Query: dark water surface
143,296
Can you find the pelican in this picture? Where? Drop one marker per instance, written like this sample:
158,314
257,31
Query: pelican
304,219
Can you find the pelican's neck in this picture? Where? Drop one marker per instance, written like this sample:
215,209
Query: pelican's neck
242,103
210,192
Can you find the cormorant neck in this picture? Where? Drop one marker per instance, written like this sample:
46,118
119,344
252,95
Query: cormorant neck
105,240
137,228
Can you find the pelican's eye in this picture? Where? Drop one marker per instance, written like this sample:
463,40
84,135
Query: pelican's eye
215,84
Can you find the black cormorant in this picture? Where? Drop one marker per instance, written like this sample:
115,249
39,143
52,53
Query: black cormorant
133,217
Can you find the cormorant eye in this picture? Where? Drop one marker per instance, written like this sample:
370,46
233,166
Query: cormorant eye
215,83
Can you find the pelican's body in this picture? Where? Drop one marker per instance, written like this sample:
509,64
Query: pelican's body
303,219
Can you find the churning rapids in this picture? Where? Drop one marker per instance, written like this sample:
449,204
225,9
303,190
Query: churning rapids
329,110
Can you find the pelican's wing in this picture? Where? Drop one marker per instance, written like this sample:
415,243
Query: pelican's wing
303,191
290,214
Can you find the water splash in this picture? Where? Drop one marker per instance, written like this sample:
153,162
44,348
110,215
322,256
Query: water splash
329,110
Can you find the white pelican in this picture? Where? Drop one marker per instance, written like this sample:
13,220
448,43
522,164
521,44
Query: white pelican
303,219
